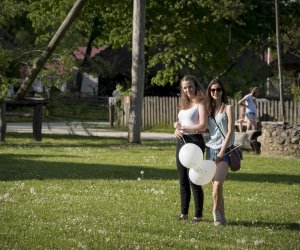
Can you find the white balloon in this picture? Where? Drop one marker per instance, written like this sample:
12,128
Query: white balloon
190,155
204,173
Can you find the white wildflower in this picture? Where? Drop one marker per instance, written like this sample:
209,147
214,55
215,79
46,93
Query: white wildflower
258,242
5,196
32,191
242,241
80,245
139,179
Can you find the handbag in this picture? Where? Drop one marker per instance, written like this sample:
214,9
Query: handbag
234,153
235,156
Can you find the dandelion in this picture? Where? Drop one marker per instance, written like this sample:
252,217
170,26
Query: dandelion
32,191
242,241
80,245
139,179
21,186
258,242
4,197
142,173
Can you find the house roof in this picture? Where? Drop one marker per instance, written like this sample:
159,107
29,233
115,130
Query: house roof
80,52
289,61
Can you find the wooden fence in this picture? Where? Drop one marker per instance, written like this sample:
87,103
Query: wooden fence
163,111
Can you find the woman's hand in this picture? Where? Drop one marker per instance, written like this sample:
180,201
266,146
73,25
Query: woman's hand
178,134
219,157
177,125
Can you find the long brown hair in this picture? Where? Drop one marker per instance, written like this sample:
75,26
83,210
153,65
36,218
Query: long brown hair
210,101
200,92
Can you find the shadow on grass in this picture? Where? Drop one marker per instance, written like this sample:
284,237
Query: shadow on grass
272,178
19,167
264,224
78,140
16,169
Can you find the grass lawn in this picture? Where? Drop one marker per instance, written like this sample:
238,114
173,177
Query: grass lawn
72,192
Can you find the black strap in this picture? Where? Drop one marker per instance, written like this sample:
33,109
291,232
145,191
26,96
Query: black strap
218,125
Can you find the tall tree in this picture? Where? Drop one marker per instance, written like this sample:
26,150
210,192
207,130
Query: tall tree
137,71
282,113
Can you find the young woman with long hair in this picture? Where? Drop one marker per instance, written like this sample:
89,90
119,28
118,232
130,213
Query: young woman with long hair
221,138
192,117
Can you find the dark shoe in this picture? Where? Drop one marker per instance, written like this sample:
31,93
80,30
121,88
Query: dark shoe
196,220
180,218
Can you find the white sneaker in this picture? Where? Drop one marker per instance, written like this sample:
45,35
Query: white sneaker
217,218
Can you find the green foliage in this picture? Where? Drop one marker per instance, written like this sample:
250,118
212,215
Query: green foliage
72,192
8,74
200,37
17,38
295,90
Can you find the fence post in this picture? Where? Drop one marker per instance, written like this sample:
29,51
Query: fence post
37,121
111,107
2,121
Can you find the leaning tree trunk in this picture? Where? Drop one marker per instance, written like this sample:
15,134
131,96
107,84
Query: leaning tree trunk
51,47
137,72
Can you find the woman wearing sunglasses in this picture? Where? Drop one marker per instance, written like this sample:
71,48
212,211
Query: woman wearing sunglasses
221,137
192,118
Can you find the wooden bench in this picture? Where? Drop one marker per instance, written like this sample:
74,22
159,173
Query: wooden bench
237,125
248,140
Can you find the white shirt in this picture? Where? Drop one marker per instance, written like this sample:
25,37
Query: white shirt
188,117
251,107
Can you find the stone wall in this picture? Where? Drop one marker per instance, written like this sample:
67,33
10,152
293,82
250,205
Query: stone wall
280,139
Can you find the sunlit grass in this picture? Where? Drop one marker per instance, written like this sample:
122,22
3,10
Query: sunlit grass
72,192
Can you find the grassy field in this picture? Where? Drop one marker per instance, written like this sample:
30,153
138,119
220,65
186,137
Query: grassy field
72,192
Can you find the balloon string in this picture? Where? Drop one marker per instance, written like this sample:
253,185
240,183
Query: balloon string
183,139
232,149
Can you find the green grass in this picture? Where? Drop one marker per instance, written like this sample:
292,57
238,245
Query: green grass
72,192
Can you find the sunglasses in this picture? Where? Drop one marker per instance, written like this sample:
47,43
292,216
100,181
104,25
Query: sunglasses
216,90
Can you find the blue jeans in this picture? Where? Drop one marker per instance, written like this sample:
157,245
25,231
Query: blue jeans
211,154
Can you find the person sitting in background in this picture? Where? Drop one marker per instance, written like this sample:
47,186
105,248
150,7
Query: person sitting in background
249,102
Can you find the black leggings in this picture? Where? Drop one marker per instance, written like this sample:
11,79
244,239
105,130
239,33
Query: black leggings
185,183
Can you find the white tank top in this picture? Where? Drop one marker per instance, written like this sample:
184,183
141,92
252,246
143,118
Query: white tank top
188,117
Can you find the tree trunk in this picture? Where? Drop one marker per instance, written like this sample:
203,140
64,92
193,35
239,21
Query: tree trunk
50,49
137,72
282,113
94,34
